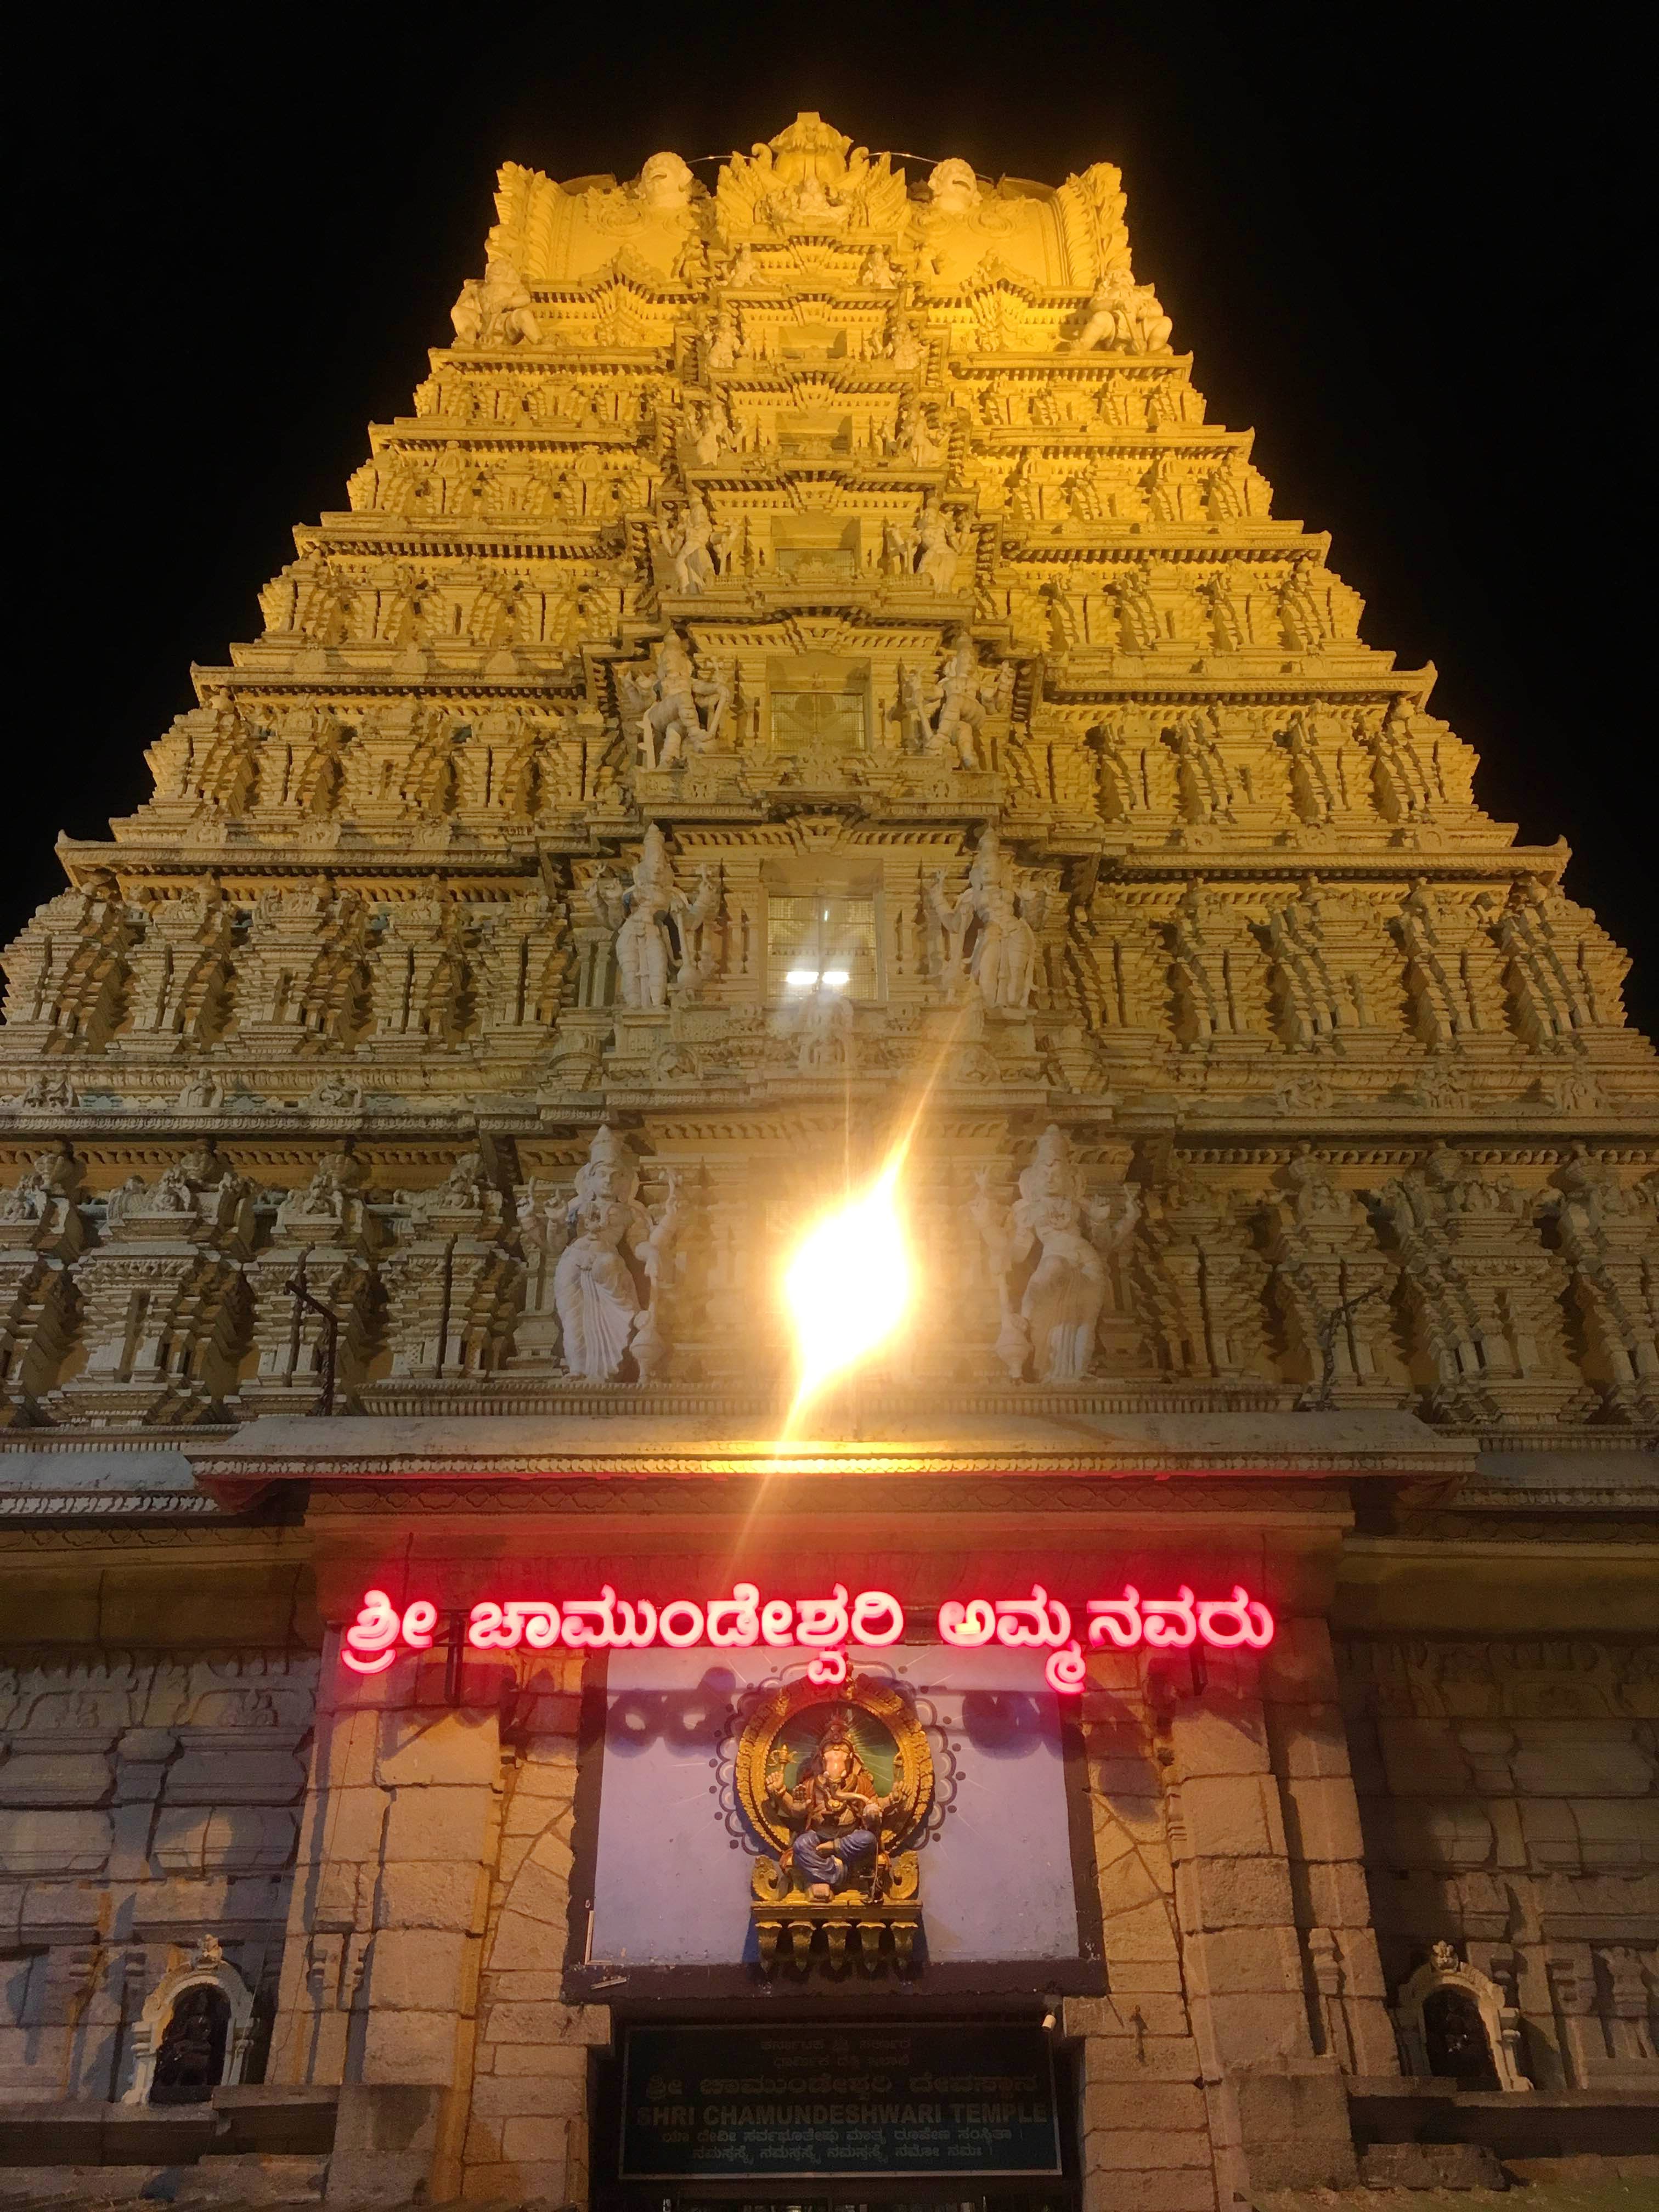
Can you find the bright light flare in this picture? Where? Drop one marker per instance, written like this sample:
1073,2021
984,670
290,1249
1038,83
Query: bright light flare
850,1285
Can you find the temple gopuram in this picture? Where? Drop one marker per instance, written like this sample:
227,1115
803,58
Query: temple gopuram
827,1319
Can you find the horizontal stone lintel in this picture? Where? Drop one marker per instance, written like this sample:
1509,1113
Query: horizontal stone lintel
346,1449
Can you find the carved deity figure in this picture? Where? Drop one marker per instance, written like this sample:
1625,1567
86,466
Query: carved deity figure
685,539
937,548
613,1248
988,935
1059,1308
914,438
825,1031
497,310
948,716
659,930
878,272
712,437
720,337
836,1812
905,348
1123,317
671,710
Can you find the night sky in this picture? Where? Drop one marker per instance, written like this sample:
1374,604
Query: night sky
1395,240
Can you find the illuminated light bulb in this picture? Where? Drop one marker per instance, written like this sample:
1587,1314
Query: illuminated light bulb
837,979
801,979
848,1286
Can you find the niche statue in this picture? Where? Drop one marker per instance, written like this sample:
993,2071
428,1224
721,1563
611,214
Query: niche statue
614,1248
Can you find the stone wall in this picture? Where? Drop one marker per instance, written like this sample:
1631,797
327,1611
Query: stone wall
429,1921
1509,1792
146,1800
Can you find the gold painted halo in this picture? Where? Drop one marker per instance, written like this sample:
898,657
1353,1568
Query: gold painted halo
890,1720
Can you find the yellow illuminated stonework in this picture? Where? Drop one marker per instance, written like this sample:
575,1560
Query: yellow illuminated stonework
808,956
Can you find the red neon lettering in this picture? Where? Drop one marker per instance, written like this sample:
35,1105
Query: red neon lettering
823,1625
371,1642
1161,1624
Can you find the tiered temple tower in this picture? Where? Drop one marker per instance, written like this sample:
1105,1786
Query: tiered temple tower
807,661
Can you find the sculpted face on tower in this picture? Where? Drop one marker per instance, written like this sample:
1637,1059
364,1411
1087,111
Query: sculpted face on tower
664,184
954,187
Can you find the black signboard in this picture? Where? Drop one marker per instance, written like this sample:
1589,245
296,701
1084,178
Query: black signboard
792,2103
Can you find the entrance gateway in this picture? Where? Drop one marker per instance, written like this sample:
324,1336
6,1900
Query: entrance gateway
830,2116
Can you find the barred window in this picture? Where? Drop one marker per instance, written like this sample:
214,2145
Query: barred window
804,719
821,940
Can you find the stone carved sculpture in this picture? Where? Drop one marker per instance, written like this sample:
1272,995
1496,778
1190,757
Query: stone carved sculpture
1609,1238
1314,1003
1404,784
914,439
1123,317
679,711
945,717
495,310
691,545
659,930
1211,974
1481,1295
664,185
164,1297
1312,797
1052,1330
1304,605
937,548
1204,782
987,937
42,1232
1330,1283
1437,985
608,1283
1547,978
1203,1282
824,1030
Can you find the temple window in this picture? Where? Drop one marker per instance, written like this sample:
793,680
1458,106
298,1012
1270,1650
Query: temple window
818,703
822,937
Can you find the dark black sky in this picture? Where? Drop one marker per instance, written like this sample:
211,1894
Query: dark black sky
1396,239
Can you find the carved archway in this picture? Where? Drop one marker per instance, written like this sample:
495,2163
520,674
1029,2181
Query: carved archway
194,2033
1443,2008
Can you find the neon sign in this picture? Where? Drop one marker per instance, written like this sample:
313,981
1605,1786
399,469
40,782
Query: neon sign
822,1626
